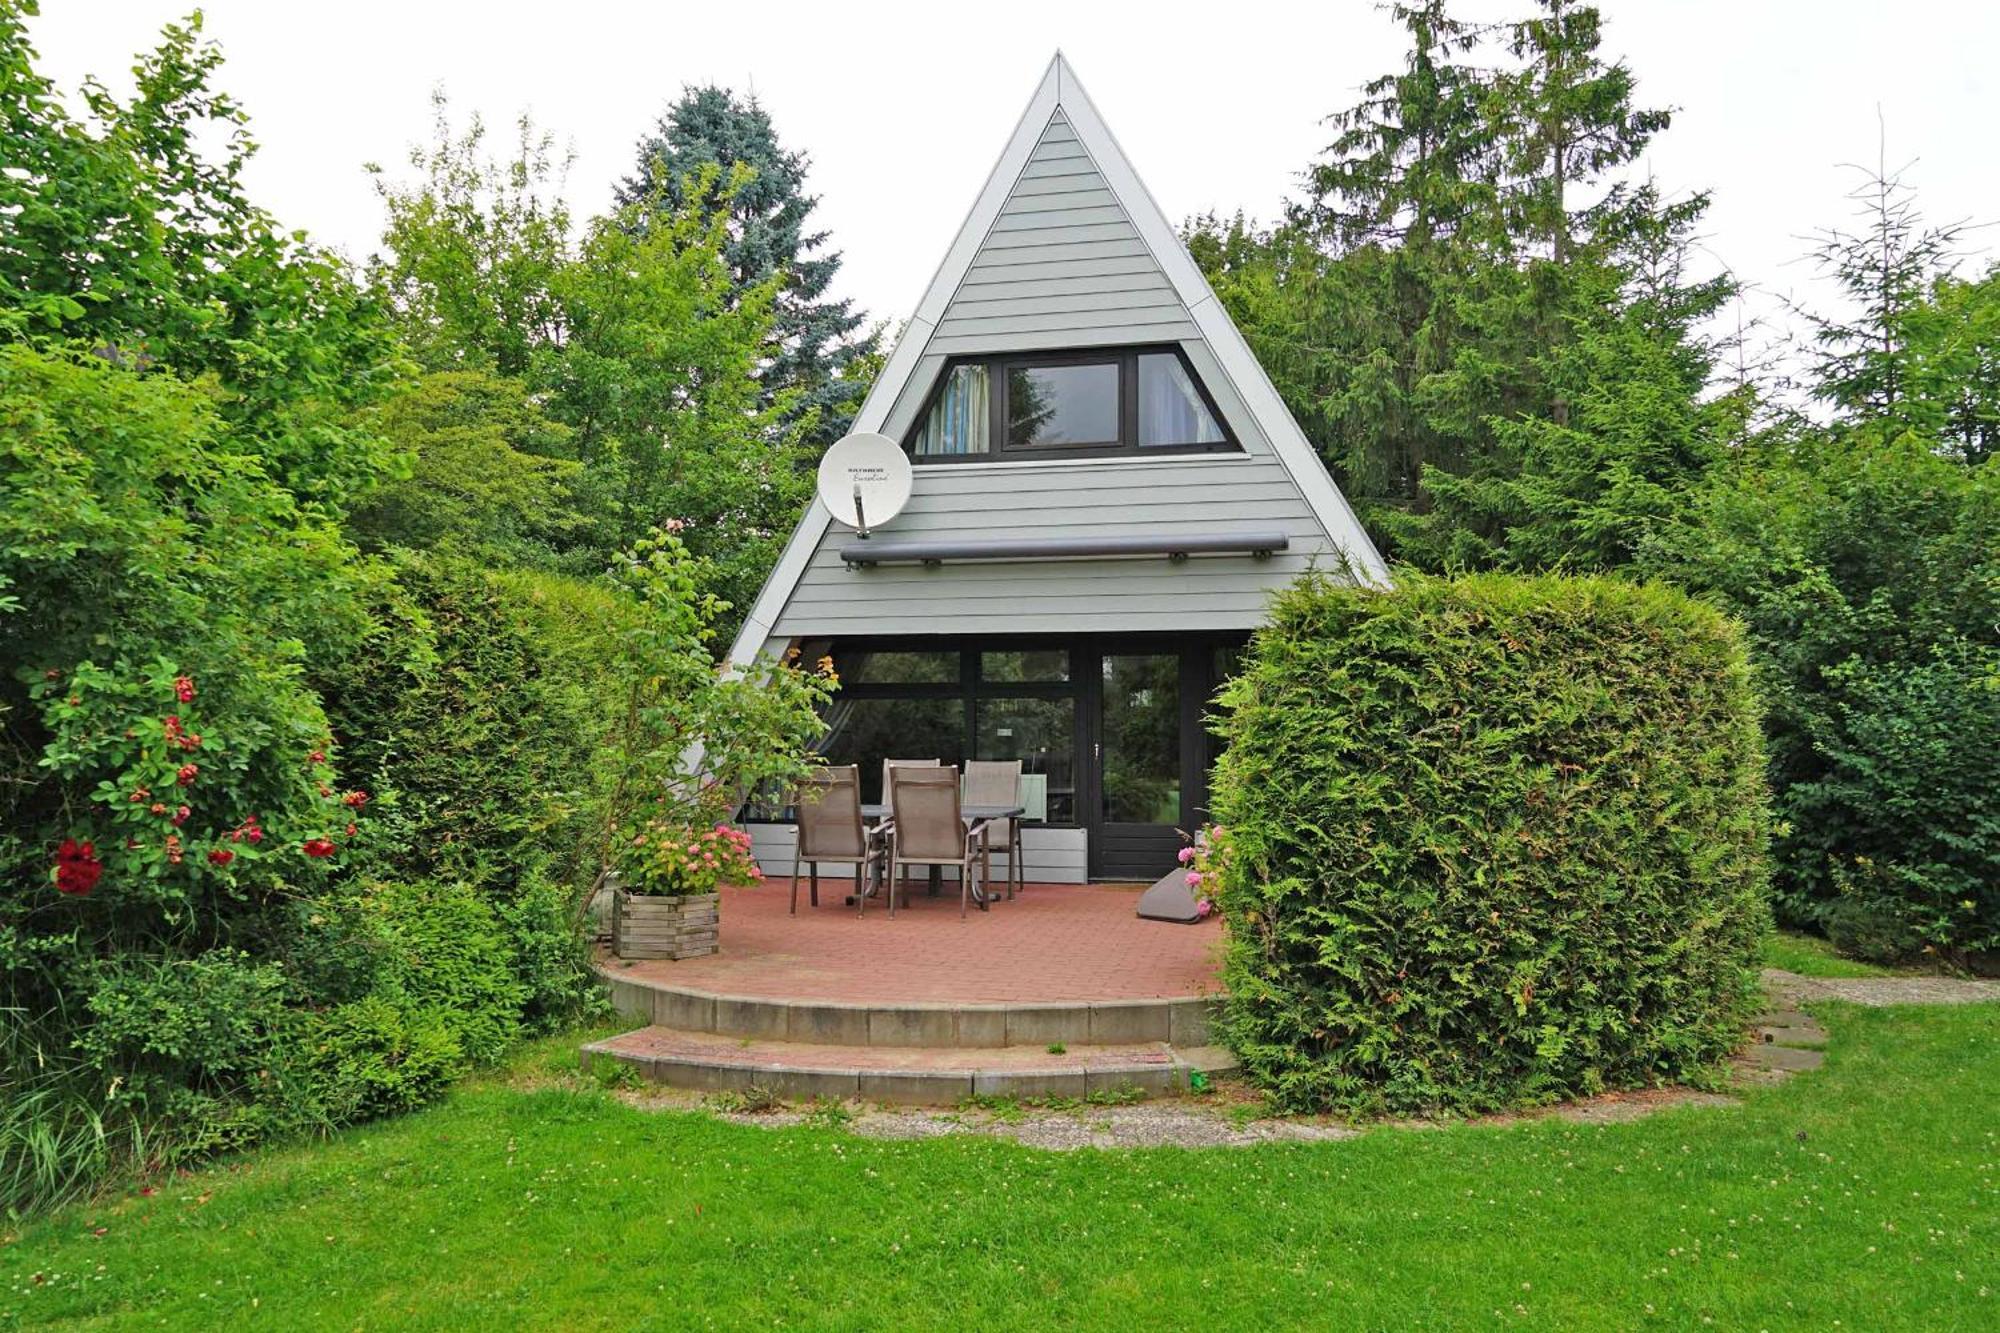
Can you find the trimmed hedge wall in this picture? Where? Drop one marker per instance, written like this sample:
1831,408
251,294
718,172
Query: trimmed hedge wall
1488,842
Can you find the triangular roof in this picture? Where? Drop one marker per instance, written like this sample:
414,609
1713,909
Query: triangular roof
1163,294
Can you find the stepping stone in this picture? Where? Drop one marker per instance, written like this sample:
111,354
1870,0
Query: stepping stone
1790,1059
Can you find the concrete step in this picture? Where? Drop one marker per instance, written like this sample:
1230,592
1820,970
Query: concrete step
920,1075
1181,1021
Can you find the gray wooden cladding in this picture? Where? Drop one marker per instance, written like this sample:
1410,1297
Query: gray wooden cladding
1062,266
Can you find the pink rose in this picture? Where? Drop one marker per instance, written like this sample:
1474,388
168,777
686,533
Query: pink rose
1187,855
1194,879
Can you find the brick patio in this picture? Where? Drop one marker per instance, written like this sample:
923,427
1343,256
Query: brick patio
1054,943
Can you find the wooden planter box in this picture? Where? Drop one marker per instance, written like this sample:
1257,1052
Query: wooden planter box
643,926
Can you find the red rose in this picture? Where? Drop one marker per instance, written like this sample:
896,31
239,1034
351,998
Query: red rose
184,689
221,856
77,868
318,847
316,757
181,816
350,830
186,774
355,799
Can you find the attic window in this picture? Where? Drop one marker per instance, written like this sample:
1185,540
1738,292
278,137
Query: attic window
1082,404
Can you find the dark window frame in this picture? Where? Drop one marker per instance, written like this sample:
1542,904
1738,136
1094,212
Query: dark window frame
1127,445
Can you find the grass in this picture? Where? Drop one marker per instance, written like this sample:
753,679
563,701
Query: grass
1811,956
1868,1192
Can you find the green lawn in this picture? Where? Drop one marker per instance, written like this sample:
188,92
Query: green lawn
1868,1193
1811,956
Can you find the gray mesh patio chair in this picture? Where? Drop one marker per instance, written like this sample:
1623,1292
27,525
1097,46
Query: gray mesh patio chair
830,829
888,764
930,830
998,782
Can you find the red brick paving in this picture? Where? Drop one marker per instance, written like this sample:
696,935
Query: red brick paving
1055,942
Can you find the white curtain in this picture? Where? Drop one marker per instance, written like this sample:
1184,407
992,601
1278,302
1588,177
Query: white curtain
960,420
1170,409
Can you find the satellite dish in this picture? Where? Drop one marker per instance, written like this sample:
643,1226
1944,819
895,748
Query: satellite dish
864,480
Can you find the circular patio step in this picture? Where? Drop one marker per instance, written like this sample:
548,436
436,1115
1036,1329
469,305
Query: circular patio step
1181,1021
922,1075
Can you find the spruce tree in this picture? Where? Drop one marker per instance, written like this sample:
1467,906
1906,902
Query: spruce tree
820,350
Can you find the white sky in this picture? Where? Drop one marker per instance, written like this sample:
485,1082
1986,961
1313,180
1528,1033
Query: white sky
903,108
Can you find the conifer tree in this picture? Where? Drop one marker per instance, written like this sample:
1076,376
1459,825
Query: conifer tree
821,353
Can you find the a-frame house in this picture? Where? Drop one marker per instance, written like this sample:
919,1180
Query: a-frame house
1107,489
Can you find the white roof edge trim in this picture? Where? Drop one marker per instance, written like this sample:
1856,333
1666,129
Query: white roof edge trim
992,198
1060,90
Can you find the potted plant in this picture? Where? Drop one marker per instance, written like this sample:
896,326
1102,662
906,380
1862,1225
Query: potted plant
665,904
696,739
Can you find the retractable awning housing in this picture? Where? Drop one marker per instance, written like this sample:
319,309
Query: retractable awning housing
1006,550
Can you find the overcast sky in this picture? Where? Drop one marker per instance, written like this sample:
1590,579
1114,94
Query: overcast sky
903,108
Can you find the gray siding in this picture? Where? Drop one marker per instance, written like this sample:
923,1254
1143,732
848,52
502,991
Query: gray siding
1063,266
1076,284
1211,494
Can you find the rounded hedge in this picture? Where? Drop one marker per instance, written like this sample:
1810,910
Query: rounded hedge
1489,841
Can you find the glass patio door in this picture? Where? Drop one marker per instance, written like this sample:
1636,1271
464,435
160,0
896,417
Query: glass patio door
1140,765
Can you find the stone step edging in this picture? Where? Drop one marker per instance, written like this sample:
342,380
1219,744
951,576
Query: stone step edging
1181,1021
806,1078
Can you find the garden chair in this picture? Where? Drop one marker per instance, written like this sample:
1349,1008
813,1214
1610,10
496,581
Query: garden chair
998,782
930,830
888,764
830,829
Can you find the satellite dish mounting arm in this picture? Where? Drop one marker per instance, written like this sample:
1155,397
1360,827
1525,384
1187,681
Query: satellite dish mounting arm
860,514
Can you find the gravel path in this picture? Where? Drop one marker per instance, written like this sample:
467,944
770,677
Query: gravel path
1791,988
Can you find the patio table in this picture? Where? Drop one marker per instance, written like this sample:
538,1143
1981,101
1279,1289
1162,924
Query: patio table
877,811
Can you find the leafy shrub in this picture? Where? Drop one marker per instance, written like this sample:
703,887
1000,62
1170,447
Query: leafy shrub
375,1057
1488,842
482,703
1868,575
551,956
448,955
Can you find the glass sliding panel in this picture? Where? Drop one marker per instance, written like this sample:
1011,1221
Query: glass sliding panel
1041,733
860,667
1038,666
961,421
1052,406
1142,739
867,731
1171,411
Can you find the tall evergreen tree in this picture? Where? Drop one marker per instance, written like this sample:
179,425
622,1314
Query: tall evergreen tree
821,355
1426,309
1917,347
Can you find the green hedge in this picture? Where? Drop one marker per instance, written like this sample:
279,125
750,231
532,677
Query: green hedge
1488,842
478,714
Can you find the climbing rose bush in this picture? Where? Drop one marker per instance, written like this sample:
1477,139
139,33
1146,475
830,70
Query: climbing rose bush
182,801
